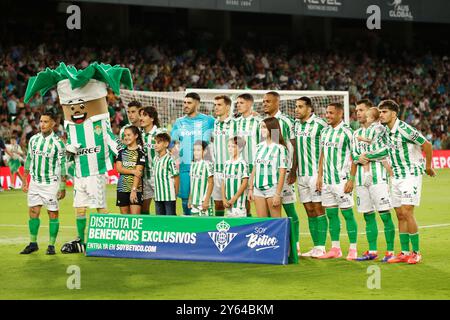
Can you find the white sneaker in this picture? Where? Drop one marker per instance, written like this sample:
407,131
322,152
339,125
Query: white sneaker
318,252
309,253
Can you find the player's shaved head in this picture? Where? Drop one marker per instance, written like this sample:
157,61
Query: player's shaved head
271,103
274,94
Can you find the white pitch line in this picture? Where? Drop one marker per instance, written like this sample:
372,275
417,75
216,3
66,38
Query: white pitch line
301,233
14,240
382,231
26,226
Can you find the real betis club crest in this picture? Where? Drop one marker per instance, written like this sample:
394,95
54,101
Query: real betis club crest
222,238
98,129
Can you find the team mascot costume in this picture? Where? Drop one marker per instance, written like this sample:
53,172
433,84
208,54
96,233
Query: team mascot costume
90,141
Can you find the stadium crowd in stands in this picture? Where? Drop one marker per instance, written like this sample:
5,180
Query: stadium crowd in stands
419,83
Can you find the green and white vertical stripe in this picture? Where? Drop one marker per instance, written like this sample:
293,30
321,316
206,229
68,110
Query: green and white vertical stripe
149,150
223,130
46,158
375,150
200,172
164,170
286,124
235,171
404,146
248,129
96,145
336,144
268,159
307,143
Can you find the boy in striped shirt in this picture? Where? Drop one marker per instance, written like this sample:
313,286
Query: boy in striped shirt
202,181
235,183
336,180
166,177
306,132
149,124
405,146
46,163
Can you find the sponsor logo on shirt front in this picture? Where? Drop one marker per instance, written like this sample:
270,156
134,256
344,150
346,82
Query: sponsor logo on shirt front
86,151
42,153
263,161
299,133
330,144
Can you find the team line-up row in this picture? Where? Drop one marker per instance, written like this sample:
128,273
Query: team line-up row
226,162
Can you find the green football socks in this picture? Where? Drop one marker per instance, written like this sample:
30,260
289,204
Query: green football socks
404,242
54,228
352,228
371,230
33,225
322,229
389,230
289,208
414,241
335,223
81,227
312,224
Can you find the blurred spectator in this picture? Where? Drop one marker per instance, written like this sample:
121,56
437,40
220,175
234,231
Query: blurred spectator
418,82
15,158
436,142
445,141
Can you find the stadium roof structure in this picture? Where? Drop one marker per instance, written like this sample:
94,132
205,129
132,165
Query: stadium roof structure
435,11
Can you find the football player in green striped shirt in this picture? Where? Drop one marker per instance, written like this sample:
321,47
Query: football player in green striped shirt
167,180
336,180
133,115
306,131
46,163
247,126
269,170
149,123
235,183
223,130
271,107
202,181
373,194
405,146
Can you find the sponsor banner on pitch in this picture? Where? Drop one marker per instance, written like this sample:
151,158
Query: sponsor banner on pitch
250,240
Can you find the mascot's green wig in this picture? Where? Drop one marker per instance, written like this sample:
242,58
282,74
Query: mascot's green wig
72,84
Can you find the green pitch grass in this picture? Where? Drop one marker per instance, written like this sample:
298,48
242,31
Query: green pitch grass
38,276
